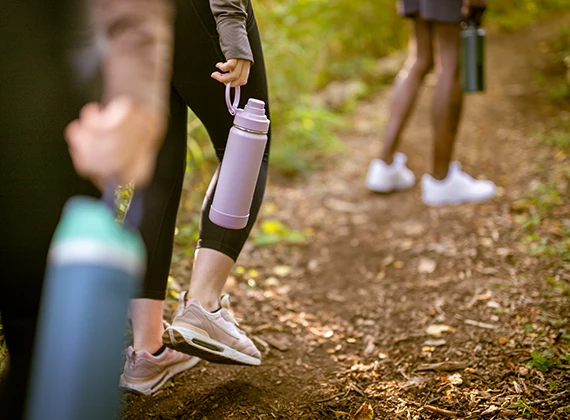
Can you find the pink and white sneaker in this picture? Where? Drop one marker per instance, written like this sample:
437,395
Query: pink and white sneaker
212,336
146,374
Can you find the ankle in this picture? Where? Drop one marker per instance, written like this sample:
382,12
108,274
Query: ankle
440,175
150,347
388,159
209,302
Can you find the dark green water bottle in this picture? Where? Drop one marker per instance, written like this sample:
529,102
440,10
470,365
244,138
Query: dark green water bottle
473,56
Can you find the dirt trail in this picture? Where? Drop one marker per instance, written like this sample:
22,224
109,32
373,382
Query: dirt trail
344,322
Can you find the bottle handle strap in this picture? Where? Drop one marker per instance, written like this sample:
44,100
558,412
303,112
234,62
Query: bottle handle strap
232,107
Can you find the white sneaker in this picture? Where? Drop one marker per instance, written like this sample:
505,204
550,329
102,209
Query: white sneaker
458,187
385,178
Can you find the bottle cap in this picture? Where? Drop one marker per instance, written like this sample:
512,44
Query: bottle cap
252,117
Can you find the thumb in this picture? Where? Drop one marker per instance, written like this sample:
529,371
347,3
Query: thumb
115,112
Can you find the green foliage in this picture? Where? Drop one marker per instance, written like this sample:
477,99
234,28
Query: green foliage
274,231
509,15
558,140
547,206
543,361
307,44
522,407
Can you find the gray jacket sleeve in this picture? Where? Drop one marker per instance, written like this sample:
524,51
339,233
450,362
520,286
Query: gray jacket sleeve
231,18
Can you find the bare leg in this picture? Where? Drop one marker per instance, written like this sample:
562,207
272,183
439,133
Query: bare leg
146,317
447,98
407,84
209,275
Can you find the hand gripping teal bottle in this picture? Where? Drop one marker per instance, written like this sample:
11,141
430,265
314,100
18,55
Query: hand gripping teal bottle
473,56
94,268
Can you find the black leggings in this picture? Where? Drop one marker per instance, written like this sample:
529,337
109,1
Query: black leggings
197,51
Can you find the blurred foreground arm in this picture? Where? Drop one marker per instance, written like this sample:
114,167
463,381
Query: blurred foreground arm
121,137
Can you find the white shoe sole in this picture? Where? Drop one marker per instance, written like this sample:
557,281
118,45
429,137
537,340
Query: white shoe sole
152,385
388,190
457,201
190,342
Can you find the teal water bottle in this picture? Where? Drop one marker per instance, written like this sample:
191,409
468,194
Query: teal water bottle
94,268
473,56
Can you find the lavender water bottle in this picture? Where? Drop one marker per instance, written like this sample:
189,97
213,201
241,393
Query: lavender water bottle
241,163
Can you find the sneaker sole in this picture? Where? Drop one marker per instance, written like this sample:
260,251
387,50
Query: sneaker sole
456,202
190,342
153,385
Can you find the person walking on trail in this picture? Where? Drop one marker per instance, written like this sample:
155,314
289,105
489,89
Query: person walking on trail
206,32
434,39
41,94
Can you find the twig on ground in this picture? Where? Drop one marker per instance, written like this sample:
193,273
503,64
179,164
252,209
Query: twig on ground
552,398
440,411
446,366
479,324
340,394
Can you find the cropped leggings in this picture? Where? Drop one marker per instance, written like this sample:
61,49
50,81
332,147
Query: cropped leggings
197,51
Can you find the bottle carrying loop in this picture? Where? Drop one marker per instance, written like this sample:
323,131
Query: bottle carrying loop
232,107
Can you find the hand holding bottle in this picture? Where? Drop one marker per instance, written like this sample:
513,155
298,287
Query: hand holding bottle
235,71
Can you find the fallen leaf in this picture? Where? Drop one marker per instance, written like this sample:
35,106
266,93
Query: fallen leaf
436,330
272,282
426,265
365,412
486,242
435,343
414,229
281,270
281,343
455,379
493,409
398,264
313,265
387,261
484,296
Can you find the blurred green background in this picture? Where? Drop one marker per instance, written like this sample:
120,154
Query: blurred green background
309,44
